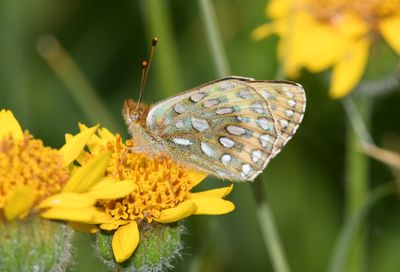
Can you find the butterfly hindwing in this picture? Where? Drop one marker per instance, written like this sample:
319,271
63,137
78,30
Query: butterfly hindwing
229,128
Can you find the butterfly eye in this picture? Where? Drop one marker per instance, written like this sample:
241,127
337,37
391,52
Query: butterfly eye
134,117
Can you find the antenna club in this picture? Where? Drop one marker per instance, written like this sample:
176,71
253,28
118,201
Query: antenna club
154,42
144,64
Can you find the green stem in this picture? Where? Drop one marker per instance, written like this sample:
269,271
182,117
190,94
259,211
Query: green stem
14,79
265,216
268,228
357,181
77,84
349,232
158,23
214,38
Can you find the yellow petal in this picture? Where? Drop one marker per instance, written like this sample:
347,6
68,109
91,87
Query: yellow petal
88,228
348,72
218,193
113,225
263,31
19,202
390,31
67,200
106,134
83,158
74,147
68,137
109,188
278,8
196,177
311,44
88,175
182,210
94,143
125,241
352,26
10,126
82,127
90,215
212,205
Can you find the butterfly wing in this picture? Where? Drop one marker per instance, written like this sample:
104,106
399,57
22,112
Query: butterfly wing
229,128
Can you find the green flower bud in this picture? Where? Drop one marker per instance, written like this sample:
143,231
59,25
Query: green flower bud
159,245
34,244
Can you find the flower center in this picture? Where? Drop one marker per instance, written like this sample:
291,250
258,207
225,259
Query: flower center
160,184
29,163
368,10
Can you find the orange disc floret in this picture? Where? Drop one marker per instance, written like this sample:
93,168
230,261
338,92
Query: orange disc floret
159,184
368,10
28,163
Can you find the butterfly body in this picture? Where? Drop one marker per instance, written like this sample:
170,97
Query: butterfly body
229,128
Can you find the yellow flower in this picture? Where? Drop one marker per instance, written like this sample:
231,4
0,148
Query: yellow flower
29,171
319,34
136,190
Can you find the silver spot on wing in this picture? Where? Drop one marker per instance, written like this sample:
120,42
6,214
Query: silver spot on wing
245,94
178,108
265,140
200,124
207,149
182,141
257,108
235,130
256,155
210,103
222,111
198,96
264,123
226,142
291,103
226,158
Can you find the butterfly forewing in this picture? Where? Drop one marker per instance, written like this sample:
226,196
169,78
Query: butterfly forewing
229,128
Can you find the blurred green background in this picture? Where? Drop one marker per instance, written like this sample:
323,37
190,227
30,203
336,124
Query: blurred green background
109,39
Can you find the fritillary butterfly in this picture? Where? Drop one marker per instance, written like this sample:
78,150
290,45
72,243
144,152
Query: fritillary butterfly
229,128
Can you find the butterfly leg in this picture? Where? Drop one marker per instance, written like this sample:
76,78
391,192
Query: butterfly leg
172,190
134,149
171,187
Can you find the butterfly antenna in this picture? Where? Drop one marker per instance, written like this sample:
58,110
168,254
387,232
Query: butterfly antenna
144,67
145,70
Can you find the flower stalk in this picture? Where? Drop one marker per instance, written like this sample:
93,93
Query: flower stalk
214,38
264,214
268,228
357,183
157,21
76,82
351,227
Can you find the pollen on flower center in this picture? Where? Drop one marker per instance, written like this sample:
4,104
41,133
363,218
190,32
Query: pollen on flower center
368,10
160,184
28,163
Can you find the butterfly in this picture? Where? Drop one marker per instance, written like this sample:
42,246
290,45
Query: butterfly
229,128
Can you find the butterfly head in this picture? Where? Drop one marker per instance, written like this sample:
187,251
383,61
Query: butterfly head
134,114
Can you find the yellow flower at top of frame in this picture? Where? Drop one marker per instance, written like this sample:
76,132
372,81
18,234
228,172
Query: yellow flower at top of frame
320,34
136,190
